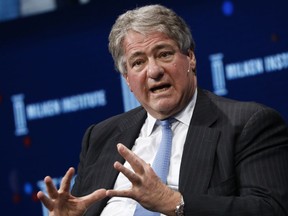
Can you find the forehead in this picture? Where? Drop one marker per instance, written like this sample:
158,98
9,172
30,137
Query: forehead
136,42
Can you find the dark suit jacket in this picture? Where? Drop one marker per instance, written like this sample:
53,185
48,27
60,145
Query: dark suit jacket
235,158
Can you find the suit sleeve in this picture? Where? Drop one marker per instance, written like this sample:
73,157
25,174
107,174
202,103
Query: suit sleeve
261,172
85,145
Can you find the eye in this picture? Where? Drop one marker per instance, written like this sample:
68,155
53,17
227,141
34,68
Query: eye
166,54
137,63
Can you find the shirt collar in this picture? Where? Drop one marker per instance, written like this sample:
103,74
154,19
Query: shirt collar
151,122
184,116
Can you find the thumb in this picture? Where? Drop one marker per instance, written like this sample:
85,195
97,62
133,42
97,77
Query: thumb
94,197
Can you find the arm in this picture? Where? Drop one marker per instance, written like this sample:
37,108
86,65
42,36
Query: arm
261,177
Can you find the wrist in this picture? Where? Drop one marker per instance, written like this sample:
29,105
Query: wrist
176,205
172,202
179,211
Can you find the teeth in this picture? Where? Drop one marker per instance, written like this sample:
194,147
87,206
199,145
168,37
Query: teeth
160,90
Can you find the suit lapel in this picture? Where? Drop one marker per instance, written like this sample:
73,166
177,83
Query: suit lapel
127,133
199,148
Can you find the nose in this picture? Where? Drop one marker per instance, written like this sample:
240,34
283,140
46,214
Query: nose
154,70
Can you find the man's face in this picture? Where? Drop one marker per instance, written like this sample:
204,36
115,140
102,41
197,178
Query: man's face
158,74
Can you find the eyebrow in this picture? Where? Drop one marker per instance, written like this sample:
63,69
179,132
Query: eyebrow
157,47
134,55
161,46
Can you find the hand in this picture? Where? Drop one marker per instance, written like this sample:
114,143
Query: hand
147,188
62,203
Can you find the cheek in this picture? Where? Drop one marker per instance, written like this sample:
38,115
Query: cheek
182,81
180,68
136,82
179,74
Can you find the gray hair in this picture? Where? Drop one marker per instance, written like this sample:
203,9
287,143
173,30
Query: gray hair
145,20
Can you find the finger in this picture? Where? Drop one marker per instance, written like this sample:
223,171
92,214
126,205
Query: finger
66,180
133,178
50,187
94,197
120,193
136,162
48,203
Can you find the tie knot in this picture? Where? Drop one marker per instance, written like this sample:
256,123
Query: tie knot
166,122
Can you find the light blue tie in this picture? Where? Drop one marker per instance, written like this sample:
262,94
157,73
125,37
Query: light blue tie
161,162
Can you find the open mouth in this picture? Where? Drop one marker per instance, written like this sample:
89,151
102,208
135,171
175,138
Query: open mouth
160,88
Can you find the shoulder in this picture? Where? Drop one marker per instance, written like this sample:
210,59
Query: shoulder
98,134
233,106
239,111
222,102
118,122
123,119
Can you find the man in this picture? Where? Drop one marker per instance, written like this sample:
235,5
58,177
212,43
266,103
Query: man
227,158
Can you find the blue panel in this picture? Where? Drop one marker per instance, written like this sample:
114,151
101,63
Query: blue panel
9,9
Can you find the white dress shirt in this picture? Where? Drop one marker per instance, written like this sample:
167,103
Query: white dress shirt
146,146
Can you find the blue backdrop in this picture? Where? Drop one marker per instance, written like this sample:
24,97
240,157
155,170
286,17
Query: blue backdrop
57,78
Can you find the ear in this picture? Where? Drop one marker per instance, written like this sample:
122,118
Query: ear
192,60
125,75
